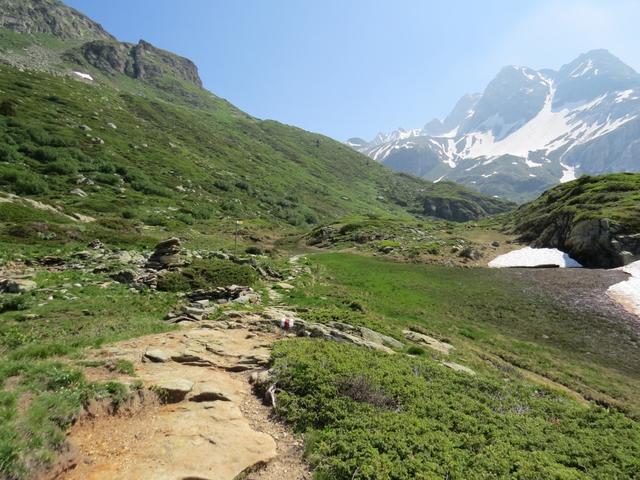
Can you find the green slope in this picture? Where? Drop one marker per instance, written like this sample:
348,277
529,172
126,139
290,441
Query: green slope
178,165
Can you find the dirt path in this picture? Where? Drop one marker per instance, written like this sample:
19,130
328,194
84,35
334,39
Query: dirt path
212,426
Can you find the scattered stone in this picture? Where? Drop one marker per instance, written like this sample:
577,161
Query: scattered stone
470,253
79,192
156,355
85,128
17,285
51,261
83,218
174,390
428,341
284,286
112,125
230,293
495,244
125,276
459,368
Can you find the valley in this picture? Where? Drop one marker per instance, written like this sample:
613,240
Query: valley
188,291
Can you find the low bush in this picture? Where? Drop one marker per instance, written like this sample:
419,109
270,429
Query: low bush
207,274
13,303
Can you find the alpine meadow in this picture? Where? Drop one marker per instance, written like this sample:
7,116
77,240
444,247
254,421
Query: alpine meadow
189,291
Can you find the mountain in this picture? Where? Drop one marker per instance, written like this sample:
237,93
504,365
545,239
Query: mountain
596,219
101,138
528,130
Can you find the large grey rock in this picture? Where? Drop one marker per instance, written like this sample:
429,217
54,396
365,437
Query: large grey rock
19,285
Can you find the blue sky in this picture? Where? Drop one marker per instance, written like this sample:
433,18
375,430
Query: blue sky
355,67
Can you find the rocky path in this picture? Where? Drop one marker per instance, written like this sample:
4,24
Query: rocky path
209,425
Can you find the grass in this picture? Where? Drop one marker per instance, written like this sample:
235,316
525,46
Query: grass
486,314
368,415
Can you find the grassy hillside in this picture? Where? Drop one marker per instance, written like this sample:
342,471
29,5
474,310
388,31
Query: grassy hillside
142,160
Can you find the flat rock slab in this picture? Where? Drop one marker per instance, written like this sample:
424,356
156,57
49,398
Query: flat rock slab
192,440
427,341
459,368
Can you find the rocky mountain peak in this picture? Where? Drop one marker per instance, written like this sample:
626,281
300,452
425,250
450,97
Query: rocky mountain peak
49,17
592,74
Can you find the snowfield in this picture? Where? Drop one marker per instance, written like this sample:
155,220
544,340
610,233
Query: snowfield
86,76
627,293
534,257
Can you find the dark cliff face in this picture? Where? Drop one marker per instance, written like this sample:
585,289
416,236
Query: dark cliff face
142,61
49,17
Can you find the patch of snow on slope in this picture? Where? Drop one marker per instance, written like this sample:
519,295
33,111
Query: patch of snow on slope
628,292
534,257
584,67
531,164
568,174
86,76
439,179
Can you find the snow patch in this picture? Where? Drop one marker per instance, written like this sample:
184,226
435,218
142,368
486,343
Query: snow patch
627,293
534,257
531,164
568,174
86,76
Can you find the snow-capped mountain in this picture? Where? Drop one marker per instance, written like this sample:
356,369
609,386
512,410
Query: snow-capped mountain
528,130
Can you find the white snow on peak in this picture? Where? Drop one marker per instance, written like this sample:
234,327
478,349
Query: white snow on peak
583,68
531,164
627,293
549,130
86,76
534,257
527,73
624,95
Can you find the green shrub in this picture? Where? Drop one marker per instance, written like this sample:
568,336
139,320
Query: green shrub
61,167
8,108
13,303
207,274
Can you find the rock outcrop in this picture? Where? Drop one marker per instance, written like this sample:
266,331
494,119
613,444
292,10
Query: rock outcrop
141,61
50,17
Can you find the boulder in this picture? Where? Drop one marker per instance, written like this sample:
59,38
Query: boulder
18,285
173,390
165,254
156,355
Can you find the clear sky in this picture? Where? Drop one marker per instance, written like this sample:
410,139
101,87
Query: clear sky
355,67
